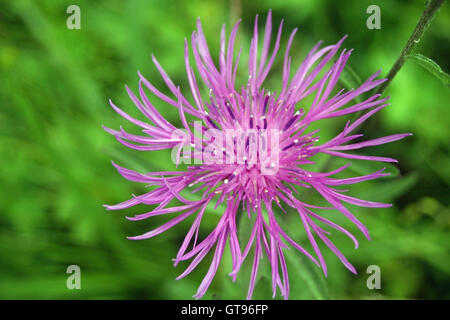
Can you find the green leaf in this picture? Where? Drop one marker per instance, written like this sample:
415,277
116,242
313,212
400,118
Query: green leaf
350,80
304,272
389,191
431,66
368,167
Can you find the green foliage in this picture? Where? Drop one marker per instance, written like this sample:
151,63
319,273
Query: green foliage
350,80
431,66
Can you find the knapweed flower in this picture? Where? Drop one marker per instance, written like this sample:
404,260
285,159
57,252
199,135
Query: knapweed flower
249,148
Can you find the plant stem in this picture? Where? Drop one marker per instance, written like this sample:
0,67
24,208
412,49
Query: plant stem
431,8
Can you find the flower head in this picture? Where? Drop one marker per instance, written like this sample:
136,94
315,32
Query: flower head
252,151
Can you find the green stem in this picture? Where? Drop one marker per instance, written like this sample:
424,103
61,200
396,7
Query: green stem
431,8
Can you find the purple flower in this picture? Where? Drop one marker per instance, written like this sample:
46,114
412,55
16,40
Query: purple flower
253,151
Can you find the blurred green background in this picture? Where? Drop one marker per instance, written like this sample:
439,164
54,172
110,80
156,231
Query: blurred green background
55,158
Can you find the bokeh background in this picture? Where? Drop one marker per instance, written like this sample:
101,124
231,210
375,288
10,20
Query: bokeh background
55,170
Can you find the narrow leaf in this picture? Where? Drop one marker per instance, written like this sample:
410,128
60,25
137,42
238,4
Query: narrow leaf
350,80
432,67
